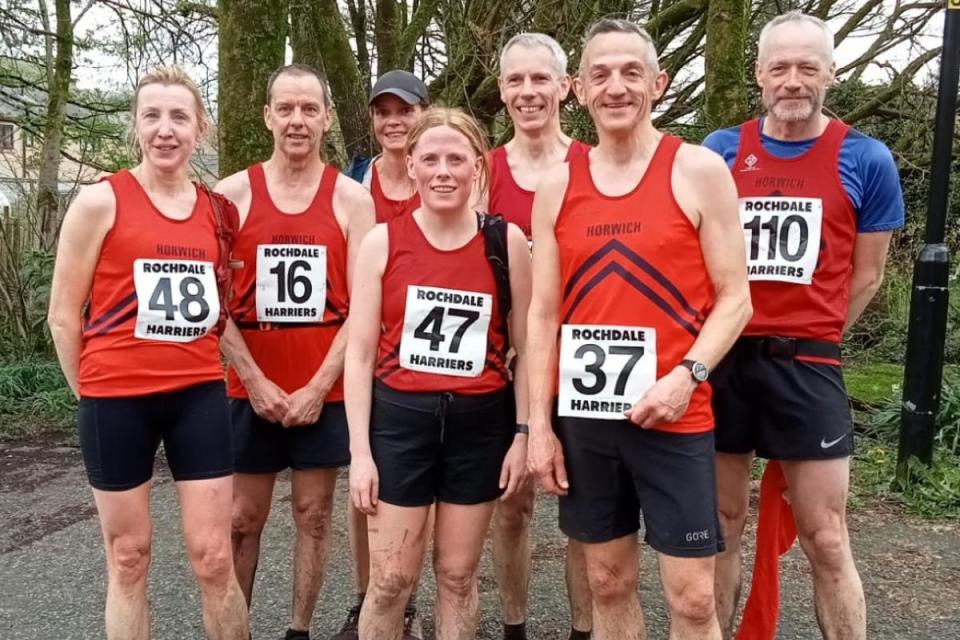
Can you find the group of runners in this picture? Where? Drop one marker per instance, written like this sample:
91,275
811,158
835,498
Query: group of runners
392,324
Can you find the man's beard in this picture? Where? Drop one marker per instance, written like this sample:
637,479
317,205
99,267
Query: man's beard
801,111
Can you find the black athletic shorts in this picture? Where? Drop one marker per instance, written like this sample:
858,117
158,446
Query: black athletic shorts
618,470
441,447
261,446
119,436
783,408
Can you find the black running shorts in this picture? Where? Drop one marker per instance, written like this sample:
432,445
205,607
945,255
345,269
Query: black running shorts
260,446
782,408
618,470
119,436
440,446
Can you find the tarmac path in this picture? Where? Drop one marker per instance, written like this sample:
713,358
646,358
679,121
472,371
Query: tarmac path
52,573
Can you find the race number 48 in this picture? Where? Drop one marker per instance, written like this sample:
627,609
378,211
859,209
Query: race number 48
177,300
445,331
782,237
604,369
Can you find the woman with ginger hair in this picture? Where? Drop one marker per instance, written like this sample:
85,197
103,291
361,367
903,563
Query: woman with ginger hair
432,413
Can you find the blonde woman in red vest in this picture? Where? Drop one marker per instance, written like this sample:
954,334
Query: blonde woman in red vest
139,252
432,417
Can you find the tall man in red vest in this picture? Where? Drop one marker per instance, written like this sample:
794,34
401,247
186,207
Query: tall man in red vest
301,223
639,276
818,203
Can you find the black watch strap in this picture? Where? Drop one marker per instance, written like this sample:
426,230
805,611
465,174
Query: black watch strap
698,370
522,428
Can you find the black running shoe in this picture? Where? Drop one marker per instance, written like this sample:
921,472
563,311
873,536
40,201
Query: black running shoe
412,630
349,629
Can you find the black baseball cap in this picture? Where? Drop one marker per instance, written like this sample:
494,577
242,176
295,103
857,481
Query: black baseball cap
402,84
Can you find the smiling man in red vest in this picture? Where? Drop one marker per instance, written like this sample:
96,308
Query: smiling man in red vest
818,204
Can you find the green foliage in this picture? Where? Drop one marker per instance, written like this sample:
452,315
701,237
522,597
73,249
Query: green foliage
23,329
870,385
34,398
882,423
880,335
934,491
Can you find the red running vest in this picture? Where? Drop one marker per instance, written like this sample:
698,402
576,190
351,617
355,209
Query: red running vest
287,322
799,284
442,329
508,198
149,324
385,208
633,281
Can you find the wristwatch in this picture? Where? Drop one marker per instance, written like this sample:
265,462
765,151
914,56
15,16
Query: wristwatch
698,370
522,428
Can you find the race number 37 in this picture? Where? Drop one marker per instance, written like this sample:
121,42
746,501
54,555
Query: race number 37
291,282
177,300
782,237
604,369
445,331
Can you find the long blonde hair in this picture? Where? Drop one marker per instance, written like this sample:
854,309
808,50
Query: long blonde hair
167,75
458,121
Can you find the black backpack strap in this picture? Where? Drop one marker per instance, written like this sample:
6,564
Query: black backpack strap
494,229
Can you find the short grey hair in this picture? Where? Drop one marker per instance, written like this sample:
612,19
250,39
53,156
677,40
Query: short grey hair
799,19
532,40
618,25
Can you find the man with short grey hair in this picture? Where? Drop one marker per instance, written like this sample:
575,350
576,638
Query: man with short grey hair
818,203
639,288
533,83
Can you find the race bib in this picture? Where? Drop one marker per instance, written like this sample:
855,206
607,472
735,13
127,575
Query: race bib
291,282
177,300
782,237
605,369
445,331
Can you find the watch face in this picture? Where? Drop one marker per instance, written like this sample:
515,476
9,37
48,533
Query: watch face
699,371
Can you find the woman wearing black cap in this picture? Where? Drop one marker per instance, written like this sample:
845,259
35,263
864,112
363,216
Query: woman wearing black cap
397,100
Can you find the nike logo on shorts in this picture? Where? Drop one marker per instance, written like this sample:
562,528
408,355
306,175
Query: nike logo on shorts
826,445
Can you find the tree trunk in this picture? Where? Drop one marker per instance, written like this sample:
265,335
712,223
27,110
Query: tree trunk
252,45
48,192
323,41
724,62
387,30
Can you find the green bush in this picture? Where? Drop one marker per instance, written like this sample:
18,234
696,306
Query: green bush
34,398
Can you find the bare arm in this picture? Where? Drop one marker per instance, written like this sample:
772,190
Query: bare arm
869,259
721,240
514,466
361,353
706,192
267,399
85,225
354,211
545,457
